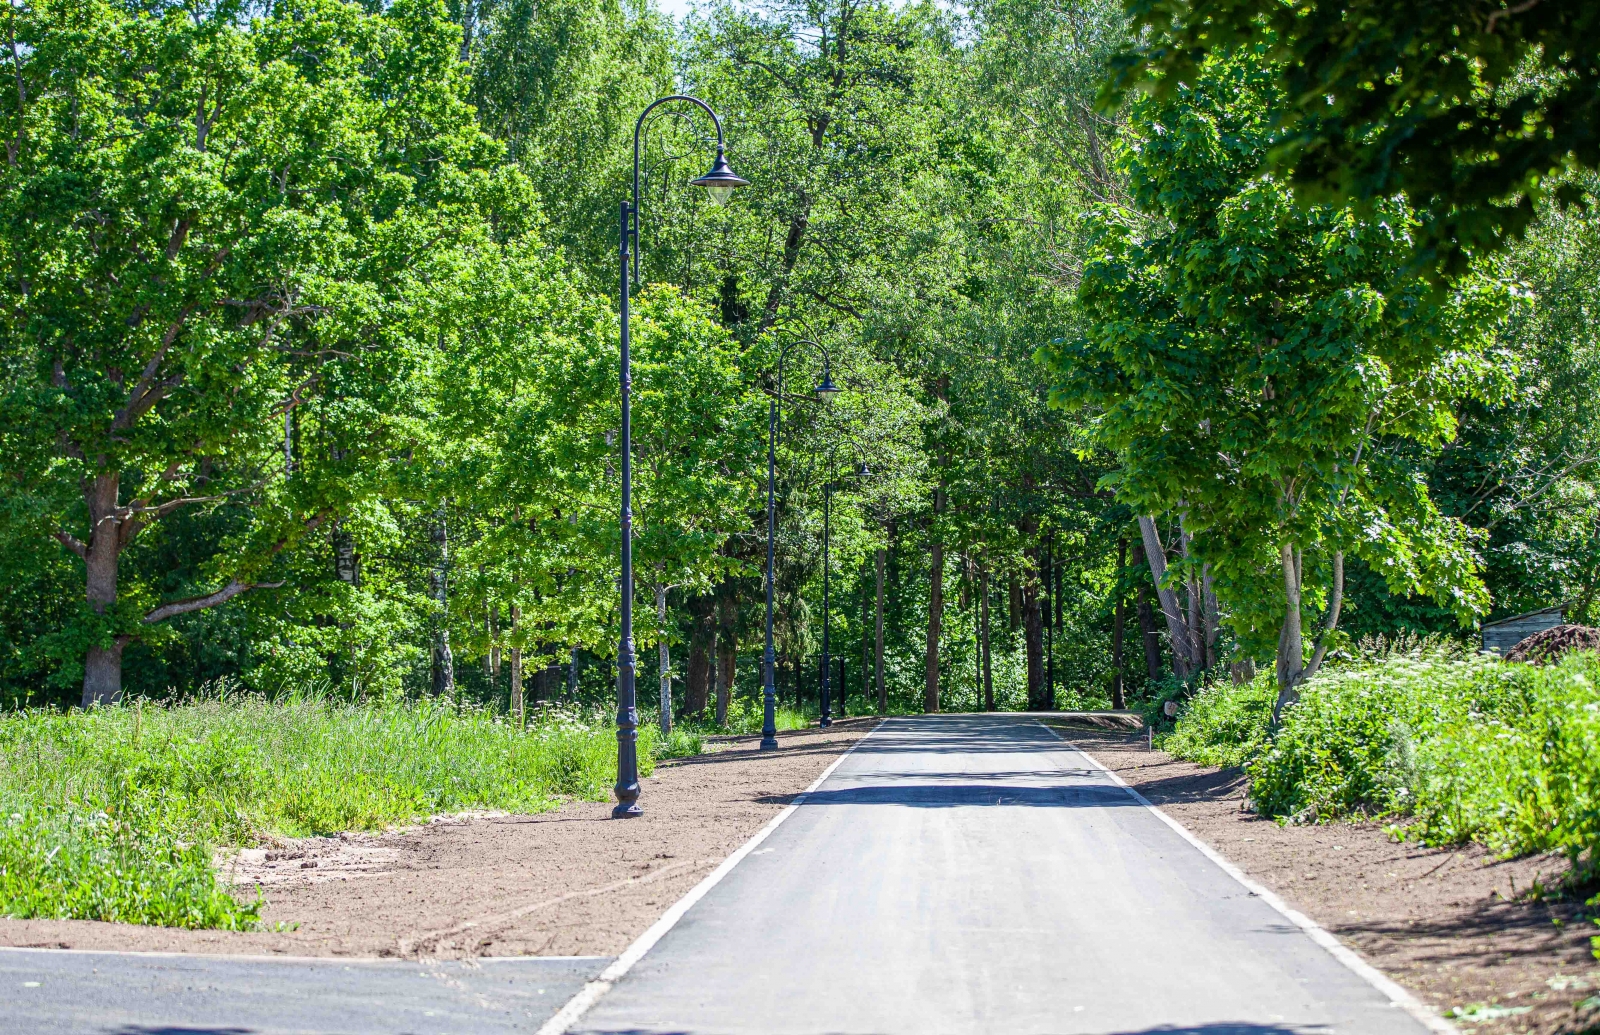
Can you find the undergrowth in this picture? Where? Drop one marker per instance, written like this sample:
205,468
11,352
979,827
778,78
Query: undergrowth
112,814
1453,747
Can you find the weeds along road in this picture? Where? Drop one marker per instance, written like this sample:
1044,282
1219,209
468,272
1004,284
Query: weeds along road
954,874
975,874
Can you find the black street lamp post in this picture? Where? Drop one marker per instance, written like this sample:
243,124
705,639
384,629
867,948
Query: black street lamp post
825,391
827,665
719,183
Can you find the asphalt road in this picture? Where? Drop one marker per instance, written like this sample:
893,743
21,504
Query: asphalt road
973,874
45,992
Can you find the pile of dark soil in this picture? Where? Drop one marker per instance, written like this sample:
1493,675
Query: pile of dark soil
1544,647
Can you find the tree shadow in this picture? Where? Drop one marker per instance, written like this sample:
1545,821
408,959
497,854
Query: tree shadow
941,796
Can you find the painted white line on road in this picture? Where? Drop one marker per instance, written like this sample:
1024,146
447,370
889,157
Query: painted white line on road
590,994
383,961
1398,996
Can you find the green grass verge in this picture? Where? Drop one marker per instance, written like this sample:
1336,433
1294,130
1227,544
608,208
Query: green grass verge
1460,747
112,814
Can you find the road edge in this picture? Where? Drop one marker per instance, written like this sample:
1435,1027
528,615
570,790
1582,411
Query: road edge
1398,996
592,992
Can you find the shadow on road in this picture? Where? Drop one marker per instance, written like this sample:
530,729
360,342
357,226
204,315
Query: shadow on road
939,796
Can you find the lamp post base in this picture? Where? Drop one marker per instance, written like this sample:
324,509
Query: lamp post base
626,810
769,743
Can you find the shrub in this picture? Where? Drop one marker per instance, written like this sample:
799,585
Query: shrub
1467,747
1224,724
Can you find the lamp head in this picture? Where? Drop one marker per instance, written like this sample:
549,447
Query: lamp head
826,390
721,180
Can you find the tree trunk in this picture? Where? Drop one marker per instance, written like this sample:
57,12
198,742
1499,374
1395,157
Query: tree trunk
492,658
1177,628
1148,636
444,673
1049,629
1331,622
1014,604
877,644
1291,642
1213,616
102,666
572,676
1118,622
517,704
727,650
702,644
727,667
930,689
665,658
983,643
1033,638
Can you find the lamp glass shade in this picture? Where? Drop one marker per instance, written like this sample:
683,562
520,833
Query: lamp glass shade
721,180
827,389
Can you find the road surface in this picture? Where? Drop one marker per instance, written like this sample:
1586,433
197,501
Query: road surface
50,992
955,875
974,874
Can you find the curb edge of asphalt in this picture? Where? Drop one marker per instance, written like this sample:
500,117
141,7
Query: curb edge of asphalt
1397,995
592,991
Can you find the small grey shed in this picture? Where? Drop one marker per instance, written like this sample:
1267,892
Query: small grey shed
1499,637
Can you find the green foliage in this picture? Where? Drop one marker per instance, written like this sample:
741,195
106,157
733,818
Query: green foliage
1458,747
114,811
1258,366
70,863
1470,109
1225,724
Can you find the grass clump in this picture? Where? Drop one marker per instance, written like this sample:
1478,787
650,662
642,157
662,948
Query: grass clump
112,814
745,717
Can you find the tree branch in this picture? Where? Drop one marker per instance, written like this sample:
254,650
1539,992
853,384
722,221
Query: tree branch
72,543
221,596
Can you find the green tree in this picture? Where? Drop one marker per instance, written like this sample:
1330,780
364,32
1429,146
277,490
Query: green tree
1261,369
208,221
1471,109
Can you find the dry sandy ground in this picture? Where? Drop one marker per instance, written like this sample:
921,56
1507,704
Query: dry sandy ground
572,882
1455,926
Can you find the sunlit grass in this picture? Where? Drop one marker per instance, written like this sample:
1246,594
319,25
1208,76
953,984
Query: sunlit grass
111,814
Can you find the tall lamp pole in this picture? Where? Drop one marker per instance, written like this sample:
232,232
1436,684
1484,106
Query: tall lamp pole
719,183
827,663
825,391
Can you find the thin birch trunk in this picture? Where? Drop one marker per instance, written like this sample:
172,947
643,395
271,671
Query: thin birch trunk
666,657
1177,628
518,710
1331,622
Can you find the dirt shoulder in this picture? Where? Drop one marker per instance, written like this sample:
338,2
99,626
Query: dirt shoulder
1453,925
572,882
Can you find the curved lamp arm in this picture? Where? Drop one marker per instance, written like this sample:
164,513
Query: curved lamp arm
783,356
638,129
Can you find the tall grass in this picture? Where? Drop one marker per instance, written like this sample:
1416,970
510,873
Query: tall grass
1459,747
111,814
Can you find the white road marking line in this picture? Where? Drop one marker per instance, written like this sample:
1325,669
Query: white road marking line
1397,996
590,994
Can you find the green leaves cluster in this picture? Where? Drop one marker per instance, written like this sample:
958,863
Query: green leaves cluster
1267,369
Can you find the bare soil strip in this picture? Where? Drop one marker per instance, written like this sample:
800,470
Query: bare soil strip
572,882
1455,926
